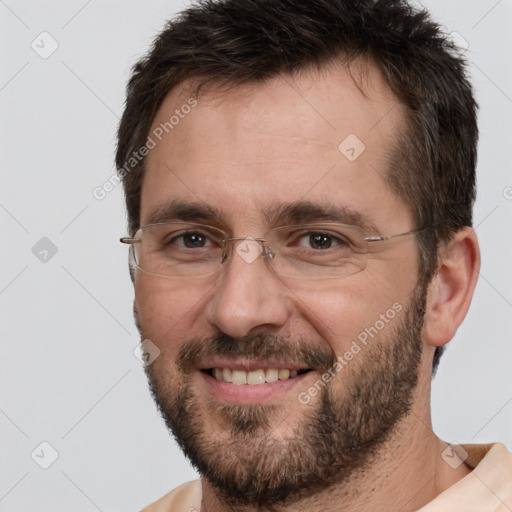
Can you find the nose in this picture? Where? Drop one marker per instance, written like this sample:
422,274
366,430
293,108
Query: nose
248,297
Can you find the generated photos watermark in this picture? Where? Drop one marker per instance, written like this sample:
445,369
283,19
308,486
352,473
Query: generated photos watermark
100,192
355,348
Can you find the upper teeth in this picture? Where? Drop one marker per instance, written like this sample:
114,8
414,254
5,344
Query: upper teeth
240,377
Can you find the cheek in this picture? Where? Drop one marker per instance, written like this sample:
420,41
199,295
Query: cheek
355,312
167,311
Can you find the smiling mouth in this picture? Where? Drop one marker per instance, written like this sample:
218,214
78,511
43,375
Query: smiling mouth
254,377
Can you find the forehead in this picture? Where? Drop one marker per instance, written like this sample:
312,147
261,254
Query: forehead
320,136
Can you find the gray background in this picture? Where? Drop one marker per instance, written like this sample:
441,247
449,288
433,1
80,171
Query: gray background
68,375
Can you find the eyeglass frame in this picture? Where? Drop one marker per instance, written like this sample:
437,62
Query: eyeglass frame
267,252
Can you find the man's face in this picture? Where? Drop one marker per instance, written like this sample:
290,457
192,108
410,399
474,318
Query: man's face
248,154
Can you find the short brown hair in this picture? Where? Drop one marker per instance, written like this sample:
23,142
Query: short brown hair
232,42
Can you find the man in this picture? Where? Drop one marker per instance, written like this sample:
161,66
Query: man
299,181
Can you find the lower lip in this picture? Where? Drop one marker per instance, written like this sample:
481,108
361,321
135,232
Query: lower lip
247,393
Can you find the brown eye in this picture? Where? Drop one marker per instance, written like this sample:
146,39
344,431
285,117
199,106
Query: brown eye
194,240
320,241
190,240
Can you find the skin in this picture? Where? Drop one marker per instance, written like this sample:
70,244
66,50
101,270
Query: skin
259,145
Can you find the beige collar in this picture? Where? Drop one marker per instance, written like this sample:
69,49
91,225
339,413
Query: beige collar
488,488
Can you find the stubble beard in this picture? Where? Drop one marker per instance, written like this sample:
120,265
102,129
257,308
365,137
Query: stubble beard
234,447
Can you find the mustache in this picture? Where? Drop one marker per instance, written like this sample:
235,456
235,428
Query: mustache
314,354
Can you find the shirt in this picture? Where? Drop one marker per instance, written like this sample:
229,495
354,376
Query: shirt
488,488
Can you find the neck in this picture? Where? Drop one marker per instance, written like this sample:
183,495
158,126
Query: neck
407,473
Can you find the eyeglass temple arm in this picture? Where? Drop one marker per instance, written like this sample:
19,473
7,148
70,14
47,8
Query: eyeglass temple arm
129,240
389,237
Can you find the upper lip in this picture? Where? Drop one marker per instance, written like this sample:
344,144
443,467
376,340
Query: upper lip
250,365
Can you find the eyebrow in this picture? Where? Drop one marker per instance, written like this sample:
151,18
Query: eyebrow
298,212
303,212
178,210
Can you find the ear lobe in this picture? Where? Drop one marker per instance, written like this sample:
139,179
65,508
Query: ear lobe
451,290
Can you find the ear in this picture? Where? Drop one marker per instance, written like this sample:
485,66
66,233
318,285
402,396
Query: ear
451,290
